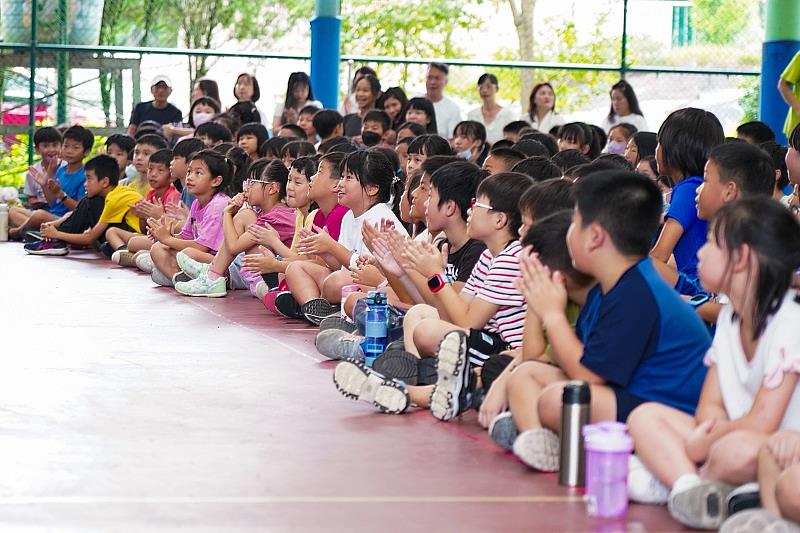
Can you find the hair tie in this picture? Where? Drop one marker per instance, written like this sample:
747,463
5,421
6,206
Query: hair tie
395,179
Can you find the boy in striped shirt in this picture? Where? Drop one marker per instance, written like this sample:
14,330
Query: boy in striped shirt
486,318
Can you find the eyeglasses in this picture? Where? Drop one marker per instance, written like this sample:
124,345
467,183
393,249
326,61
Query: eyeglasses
475,203
250,182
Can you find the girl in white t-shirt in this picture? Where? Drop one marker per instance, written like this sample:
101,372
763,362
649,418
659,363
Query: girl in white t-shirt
750,390
368,183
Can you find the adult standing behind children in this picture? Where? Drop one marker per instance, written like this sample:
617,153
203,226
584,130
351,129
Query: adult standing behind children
492,115
624,108
542,108
298,95
448,114
158,109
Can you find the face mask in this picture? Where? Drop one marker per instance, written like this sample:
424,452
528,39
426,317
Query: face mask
201,118
615,147
370,138
466,154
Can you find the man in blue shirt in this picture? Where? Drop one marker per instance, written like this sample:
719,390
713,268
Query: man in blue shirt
636,339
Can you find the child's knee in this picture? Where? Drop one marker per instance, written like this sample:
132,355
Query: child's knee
332,286
549,405
787,492
735,455
420,312
427,335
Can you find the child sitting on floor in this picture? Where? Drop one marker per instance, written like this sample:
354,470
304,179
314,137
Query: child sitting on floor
635,339
268,194
162,193
751,389
208,174
484,319
79,227
146,145
367,183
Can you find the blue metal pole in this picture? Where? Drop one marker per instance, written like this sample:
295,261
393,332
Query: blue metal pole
326,28
781,43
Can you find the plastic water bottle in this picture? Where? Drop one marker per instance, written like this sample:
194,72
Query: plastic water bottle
375,327
575,402
3,222
608,448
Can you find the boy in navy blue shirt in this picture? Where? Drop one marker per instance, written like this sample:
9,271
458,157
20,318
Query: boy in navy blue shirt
636,340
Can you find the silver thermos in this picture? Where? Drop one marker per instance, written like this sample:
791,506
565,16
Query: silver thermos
575,402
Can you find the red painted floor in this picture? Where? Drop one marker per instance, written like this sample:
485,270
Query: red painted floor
124,406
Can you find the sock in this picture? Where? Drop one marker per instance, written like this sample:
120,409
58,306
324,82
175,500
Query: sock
213,276
684,482
122,247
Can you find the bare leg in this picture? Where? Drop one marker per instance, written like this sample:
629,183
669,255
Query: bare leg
788,493
603,405
117,237
414,316
350,303
733,458
429,333
420,395
305,279
17,216
33,222
659,434
333,283
525,386
139,243
164,259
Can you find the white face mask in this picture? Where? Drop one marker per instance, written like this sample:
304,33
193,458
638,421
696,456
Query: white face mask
201,118
466,154
615,147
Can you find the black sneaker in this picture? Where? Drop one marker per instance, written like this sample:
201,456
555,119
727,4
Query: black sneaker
107,250
287,306
398,364
32,236
455,384
317,310
743,497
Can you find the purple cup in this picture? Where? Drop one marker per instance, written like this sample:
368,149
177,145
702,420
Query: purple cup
608,447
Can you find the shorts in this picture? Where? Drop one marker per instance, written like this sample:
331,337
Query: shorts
626,403
85,216
493,367
482,344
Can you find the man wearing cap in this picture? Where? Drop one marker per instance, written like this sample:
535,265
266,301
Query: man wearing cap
158,109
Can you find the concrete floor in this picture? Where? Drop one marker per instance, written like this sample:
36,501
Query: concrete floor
126,407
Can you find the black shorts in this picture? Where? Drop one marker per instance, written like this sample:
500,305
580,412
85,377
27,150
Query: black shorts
481,345
626,403
493,367
85,215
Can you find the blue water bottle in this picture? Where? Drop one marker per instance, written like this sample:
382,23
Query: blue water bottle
376,326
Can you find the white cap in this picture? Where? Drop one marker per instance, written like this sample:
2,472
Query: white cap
159,79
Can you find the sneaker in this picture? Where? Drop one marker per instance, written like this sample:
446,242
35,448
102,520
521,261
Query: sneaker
123,257
192,268
356,381
143,261
318,309
758,521
269,301
643,486
159,278
107,250
503,430
202,286
701,505
337,344
451,393
539,449
47,248
426,371
744,497
179,277
398,364
261,290
335,322
287,306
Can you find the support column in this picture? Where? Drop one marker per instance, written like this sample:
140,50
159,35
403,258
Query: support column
781,43
326,28
32,81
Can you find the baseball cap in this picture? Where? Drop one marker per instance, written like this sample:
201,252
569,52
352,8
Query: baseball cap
159,79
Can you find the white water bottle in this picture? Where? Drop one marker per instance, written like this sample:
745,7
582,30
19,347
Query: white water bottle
3,222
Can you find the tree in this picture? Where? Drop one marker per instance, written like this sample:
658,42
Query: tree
522,11
720,21
412,28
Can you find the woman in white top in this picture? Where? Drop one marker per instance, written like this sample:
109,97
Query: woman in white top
298,95
492,115
542,108
624,108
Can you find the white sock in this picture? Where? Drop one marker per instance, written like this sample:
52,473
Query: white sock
684,482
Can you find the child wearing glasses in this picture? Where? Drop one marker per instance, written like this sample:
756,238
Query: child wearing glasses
267,193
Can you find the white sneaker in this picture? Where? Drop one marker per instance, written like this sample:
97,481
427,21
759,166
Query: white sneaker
261,289
122,258
643,486
538,448
698,503
144,262
159,278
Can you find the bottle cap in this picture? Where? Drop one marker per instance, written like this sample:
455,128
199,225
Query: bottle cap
576,392
607,437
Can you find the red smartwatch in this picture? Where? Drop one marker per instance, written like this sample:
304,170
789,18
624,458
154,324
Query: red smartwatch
436,283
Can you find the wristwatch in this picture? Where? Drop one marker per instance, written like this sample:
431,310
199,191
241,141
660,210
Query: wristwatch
436,283
63,196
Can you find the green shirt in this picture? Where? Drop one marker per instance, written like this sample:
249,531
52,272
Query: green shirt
792,75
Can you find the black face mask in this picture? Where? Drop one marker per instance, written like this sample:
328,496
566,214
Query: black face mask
370,139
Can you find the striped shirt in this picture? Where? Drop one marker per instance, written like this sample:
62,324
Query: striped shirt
492,280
